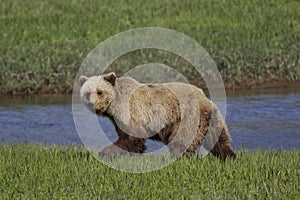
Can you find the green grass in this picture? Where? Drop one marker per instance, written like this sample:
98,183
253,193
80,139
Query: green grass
43,43
43,172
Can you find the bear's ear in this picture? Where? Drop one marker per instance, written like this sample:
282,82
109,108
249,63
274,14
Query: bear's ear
111,78
82,80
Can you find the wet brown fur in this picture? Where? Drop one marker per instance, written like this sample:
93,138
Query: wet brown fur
156,124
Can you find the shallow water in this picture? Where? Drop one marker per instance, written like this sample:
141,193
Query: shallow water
268,121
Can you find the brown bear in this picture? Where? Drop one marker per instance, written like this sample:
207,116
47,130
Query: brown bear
177,114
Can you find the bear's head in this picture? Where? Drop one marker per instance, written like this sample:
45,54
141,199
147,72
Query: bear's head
96,92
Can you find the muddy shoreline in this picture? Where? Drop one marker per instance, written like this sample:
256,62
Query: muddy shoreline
238,87
246,87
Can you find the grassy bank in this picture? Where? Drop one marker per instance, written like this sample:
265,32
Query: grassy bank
42,43
35,171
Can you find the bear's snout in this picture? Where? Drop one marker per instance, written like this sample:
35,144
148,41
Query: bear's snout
88,101
91,105
88,96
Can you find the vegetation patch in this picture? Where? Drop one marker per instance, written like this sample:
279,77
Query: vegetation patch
42,172
43,43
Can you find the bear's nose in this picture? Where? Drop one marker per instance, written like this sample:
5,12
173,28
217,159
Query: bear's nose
88,96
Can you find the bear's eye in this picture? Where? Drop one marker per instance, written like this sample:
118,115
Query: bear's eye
99,93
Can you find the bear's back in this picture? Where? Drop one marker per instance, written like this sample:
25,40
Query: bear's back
154,104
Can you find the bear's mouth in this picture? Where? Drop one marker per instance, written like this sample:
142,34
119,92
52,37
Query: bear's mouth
101,112
90,106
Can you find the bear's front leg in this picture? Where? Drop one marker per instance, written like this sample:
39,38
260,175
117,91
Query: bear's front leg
126,144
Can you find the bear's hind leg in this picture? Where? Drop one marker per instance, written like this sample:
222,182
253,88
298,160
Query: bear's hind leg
180,148
177,149
222,148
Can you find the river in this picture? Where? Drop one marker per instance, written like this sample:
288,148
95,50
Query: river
268,121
